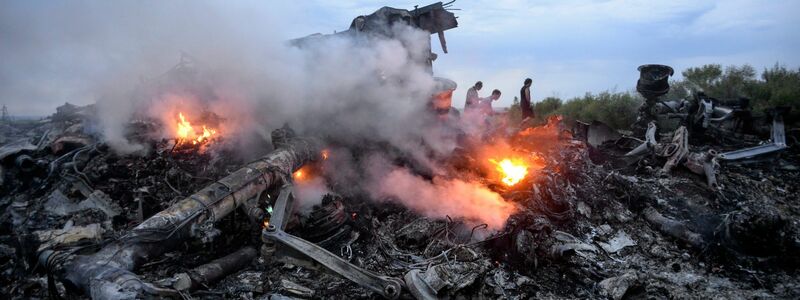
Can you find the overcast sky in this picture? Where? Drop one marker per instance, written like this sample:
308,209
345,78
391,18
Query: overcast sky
567,47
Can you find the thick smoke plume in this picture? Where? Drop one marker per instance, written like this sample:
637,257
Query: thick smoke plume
471,201
351,90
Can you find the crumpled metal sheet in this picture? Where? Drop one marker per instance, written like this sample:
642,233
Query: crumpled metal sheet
16,147
618,242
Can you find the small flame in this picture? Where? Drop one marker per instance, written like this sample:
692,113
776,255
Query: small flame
304,173
207,134
184,127
186,132
325,154
266,223
513,171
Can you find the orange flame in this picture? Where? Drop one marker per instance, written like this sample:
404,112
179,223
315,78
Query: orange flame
325,154
303,173
185,131
184,127
513,171
298,175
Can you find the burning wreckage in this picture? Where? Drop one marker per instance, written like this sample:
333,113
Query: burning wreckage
702,209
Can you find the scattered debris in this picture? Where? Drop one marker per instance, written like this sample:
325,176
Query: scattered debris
296,289
619,241
70,234
617,287
80,220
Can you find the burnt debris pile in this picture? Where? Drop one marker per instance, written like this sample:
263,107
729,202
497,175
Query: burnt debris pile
393,193
601,217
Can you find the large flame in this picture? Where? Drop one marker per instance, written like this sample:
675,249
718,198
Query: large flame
186,132
513,170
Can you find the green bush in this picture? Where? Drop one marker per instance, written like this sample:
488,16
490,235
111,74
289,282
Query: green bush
777,85
618,109
547,106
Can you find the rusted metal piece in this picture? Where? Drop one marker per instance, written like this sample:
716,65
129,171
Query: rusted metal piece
107,274
215,270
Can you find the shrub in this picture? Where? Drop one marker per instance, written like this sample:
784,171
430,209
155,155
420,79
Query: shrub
547,106
618,110
777,85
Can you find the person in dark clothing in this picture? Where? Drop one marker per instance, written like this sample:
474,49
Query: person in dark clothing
525,99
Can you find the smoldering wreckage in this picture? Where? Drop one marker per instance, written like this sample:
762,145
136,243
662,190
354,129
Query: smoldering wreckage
697,200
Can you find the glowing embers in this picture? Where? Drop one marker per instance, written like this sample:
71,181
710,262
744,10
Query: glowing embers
512,170
309,171
187,133
301,174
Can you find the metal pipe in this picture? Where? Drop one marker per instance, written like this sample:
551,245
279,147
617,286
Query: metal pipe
99,274
215,270
673,228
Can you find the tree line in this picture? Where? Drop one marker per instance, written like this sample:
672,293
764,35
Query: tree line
776,86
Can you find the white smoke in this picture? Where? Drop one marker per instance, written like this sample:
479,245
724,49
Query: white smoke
346,89
473,202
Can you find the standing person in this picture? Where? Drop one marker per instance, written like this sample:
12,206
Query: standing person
472,96
525,99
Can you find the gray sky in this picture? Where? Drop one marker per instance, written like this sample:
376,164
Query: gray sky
56,51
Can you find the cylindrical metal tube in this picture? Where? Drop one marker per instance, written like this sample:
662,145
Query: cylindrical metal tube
170,227
215,270
673,228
